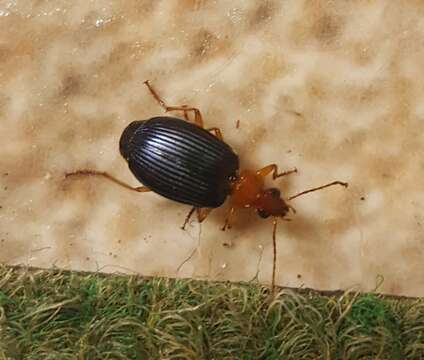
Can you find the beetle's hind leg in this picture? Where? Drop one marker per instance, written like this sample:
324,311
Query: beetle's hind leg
198,120
87,172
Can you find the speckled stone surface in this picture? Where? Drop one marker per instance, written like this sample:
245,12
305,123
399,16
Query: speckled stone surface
334,88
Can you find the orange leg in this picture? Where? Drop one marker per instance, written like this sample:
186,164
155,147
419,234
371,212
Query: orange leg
319,188
229,219
217,132
274,169
228,224
198,120
202,214
87,172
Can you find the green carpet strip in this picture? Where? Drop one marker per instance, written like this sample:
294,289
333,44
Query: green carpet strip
54,314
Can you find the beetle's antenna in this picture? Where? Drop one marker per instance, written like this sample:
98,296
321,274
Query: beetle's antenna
274,260
319,188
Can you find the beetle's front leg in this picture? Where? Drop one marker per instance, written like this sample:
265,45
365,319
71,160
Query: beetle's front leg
274,169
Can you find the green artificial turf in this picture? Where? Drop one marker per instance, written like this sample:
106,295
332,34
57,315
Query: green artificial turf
65,315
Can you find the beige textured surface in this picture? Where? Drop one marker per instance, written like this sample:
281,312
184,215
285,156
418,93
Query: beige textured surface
71,77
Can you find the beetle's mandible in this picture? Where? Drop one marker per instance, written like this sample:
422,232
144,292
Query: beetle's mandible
183,161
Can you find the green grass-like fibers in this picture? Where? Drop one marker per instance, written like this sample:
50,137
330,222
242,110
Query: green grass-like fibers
53,314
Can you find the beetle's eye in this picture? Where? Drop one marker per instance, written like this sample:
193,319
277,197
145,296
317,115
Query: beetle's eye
262,213
275,193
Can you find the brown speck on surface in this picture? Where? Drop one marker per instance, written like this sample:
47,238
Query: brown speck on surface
71,85
205,43
363,54
262,13
326,28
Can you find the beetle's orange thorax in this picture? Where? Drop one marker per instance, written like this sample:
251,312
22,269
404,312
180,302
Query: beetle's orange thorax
245,189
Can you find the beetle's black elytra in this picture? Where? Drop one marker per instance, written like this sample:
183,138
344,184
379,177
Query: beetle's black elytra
179,160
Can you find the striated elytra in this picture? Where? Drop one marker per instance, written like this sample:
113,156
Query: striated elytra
179,160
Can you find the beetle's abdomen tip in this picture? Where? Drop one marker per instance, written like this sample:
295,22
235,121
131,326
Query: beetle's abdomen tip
127,135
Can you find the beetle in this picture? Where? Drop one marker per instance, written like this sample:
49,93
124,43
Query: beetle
185,162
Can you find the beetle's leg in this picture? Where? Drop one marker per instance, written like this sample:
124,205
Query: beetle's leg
229,219
274,169
202,213
187,219
319,188
155,94
184,108
198,120
186,116
217,132
87,172
228,224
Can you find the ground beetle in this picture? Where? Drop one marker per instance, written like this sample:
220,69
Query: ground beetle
184,162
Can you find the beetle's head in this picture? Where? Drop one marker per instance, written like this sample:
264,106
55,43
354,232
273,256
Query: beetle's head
270,203
126,137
